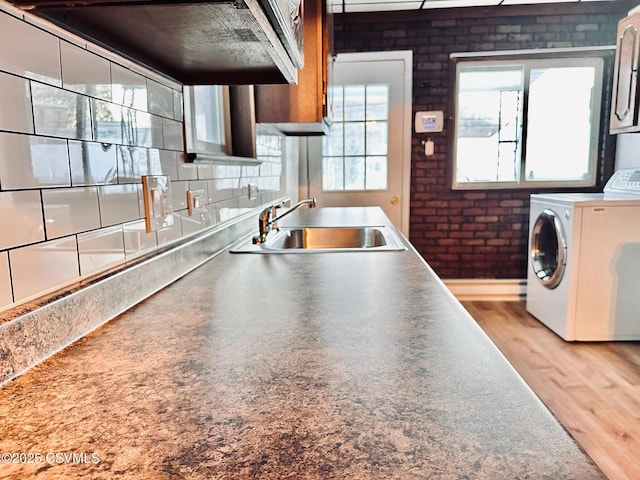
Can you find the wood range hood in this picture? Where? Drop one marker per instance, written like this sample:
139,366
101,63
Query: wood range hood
193,42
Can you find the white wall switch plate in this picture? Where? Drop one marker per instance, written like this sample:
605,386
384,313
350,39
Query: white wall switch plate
158,212
252,191
196,200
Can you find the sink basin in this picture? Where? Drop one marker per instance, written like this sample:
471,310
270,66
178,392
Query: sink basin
326,239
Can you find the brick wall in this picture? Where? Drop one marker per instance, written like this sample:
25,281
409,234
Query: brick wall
479,234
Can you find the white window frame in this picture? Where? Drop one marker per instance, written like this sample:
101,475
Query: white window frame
215,107
535,58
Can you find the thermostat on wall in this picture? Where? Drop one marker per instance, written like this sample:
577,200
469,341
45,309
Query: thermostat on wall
429,122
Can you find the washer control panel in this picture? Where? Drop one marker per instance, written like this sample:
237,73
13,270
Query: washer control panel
624,183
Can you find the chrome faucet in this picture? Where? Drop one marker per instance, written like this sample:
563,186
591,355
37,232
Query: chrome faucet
267,220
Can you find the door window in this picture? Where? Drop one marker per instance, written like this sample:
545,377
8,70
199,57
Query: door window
354,155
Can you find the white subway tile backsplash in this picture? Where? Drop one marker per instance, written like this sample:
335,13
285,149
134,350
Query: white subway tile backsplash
212,210
169,162
178,110
227,171
85,72
43,267
223,189
173,137
113,123
21,214
205,172
15,98
92,163
136,239
141,130
79,127
269,183
229,209
179,195
60,113
198,221
123,125
187,171
250,170
128,88
6,296
133,162
160,98
172,233
118,204
157,136
27,161
70,210
100,249
29,51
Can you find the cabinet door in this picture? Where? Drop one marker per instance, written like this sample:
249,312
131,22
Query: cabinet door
624,111
303,109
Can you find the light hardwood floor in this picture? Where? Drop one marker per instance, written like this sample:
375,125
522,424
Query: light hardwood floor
592,388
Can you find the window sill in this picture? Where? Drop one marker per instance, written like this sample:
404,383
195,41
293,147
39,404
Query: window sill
221,159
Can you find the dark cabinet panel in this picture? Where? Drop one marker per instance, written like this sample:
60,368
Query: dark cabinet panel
192,42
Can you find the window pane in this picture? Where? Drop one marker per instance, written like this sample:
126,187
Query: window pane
486,119
509,115
208,113
332,143
377,102
508,164
376,173
489,78
377,133
476,159
354,138
338,110
562,127
332,173
354,173
354,102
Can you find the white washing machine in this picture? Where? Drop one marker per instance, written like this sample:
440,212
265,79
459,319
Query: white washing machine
583,275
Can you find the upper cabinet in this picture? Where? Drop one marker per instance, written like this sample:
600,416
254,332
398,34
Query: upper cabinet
624,104
236,42
305,108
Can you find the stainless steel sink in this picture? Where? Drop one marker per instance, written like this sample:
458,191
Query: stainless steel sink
326,239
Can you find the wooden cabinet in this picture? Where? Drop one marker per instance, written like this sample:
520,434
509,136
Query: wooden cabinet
305,108
216,42
624,104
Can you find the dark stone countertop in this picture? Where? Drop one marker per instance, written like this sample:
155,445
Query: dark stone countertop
315,366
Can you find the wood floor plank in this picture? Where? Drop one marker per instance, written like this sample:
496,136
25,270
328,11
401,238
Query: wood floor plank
592,388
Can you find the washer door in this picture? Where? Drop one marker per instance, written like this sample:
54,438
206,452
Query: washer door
548,248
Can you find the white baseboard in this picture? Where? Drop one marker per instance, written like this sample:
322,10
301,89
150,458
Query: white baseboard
495,290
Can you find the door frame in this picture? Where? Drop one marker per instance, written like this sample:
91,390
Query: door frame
406,56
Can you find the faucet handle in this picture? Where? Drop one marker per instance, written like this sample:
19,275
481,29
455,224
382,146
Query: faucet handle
273,214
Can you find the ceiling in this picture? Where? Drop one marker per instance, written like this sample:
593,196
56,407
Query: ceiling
349,6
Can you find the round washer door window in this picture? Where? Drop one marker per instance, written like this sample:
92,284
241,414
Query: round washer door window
548,249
